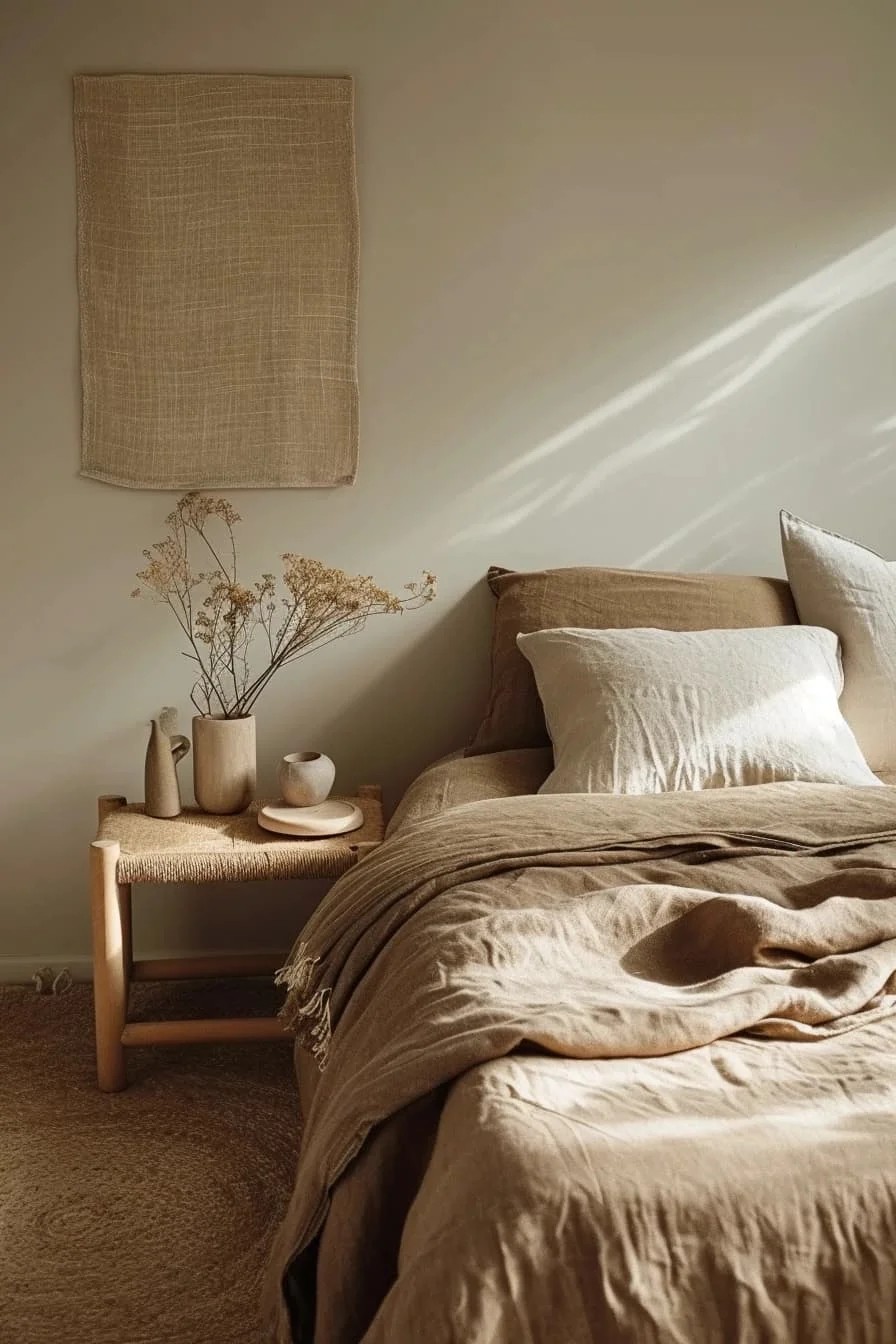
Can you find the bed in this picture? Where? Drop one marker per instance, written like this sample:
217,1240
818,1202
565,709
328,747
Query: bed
599,1067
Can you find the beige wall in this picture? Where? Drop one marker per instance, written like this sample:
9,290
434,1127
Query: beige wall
627,288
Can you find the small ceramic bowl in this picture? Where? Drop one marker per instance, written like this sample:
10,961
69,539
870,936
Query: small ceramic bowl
306,778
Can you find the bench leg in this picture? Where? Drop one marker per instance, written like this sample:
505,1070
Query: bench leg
127,938
110,914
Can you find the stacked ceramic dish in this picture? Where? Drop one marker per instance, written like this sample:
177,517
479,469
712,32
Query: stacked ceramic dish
334,817
307,811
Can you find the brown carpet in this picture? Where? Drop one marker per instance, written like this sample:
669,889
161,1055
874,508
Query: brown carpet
145,1216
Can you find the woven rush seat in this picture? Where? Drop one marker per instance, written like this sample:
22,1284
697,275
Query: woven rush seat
197,847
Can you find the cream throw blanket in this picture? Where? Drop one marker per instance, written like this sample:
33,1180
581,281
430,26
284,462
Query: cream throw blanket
593,928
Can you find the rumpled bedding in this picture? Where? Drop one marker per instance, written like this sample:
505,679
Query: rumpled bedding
602,1069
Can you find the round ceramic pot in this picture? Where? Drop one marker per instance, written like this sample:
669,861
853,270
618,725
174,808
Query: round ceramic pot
223,763
306,778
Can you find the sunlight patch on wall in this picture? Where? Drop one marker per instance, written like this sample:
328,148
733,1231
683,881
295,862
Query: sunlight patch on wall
656,414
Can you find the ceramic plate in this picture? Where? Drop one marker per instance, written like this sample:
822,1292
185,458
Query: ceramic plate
330,818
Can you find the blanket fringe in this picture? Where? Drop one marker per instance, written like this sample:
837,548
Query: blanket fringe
308,1014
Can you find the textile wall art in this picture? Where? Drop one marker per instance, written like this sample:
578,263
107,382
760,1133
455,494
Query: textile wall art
218,280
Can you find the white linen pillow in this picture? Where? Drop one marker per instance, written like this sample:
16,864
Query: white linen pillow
650,711
851,590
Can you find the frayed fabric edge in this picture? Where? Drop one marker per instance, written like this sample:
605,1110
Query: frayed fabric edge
308,1014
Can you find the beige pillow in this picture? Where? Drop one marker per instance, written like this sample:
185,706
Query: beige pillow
649,711
604,599
851,590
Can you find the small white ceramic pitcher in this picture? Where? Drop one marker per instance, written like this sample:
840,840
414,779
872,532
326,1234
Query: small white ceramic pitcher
306,778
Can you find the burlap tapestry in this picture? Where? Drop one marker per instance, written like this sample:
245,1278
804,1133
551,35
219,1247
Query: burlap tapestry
218,280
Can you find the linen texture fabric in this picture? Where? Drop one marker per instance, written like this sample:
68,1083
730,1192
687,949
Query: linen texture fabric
851,590
603,599
649,711
575,1031
458,779
218,280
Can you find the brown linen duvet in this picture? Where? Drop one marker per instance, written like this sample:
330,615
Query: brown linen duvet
602,1069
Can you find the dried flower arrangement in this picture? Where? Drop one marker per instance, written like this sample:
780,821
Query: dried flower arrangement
222,619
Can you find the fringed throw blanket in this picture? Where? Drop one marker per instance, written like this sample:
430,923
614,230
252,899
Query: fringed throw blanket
218,280
586,929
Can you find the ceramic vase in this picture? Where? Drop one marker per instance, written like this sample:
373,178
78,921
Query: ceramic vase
223,763
306,778
161,791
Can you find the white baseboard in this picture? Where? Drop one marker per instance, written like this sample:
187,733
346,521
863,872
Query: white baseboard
19,970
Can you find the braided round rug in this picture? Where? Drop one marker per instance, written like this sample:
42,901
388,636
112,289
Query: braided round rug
145,1216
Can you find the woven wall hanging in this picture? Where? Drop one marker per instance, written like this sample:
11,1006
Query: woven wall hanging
218,280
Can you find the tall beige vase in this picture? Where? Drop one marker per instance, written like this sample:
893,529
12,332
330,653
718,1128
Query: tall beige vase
223,763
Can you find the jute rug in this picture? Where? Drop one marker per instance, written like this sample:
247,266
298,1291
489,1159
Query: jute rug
144,1217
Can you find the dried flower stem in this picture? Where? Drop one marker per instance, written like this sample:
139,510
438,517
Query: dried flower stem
221,618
